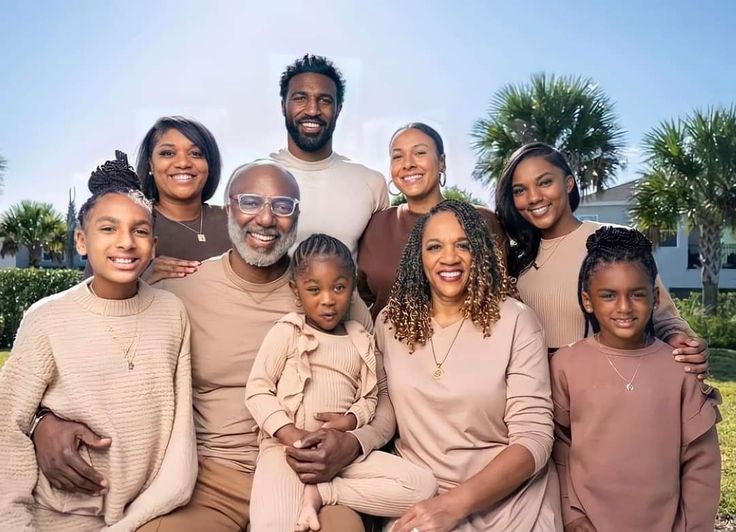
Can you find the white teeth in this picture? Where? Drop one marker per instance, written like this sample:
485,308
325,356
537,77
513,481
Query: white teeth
118,260
415,177
182,177
450,275
539,210
263,238
310,125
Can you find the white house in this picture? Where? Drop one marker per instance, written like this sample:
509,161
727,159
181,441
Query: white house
677,253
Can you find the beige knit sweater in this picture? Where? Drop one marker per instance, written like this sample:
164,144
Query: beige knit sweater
68,356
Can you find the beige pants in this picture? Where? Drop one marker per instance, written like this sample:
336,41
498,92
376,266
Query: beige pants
383,484
221,502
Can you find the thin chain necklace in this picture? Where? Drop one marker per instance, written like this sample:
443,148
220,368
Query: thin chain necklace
537,265
200,235
628,383
438,371
125,349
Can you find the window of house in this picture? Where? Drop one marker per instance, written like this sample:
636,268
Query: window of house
668,238
587,217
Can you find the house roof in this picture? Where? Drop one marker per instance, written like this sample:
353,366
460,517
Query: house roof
619,194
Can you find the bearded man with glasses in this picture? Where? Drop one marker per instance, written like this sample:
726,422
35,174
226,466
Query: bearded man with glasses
232,302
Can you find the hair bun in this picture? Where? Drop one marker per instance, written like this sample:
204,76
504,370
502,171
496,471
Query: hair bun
114,175
613,237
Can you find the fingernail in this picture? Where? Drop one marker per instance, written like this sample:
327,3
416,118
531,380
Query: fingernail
679,358
687,368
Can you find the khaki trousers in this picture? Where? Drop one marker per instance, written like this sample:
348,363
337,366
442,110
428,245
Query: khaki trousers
221,503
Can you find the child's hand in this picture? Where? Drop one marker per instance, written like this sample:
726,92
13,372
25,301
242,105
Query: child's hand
580,525
288,434
341,422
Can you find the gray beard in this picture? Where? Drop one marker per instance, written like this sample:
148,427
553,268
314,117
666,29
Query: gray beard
257,258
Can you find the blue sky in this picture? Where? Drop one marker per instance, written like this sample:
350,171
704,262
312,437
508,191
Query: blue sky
79,79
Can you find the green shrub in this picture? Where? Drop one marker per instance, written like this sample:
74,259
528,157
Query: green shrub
719,330
20,288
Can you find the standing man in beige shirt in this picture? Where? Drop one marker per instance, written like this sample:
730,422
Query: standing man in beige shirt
312,93
232,301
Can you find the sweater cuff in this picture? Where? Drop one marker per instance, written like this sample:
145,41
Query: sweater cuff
275,421
360,413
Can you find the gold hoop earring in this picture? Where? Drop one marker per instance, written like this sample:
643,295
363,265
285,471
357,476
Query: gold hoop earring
298,302
394,194
443,178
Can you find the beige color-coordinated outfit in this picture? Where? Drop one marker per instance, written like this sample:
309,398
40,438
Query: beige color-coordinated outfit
551,289
349,191
382,245
69,356
298,372
230,317
494,392
641,459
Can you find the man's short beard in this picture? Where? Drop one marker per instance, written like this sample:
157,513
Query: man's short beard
256,258
310,143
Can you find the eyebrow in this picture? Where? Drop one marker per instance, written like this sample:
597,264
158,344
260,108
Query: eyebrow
114,220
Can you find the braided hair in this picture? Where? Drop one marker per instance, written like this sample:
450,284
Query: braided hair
409,308
320,245
609,245
113,177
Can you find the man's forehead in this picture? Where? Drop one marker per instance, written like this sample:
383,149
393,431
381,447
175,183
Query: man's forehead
312,81
266,180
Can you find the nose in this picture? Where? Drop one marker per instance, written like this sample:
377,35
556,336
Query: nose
624,304
265,217
312,107
449,255
125,240
182,160
327,298
534,195
409,162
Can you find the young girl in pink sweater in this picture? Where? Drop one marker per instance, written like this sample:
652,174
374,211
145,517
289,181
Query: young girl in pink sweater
112,353
636,445
315,361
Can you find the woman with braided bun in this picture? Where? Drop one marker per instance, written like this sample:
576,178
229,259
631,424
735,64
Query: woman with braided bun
469,381
112,353
418,162
536,196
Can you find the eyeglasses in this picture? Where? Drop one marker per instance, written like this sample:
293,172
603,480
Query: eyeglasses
254,203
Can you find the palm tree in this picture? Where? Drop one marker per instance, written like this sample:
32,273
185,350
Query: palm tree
572,114
453,192
3,166
34,225
691,173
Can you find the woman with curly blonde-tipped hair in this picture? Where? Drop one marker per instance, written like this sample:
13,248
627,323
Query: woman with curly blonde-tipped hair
469,380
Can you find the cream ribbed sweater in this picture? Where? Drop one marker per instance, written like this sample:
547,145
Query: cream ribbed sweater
552,290
68,357
299,371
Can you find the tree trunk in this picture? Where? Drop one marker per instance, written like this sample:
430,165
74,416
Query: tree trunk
710,258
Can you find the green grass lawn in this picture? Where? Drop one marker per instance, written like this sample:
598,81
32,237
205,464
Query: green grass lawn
723,368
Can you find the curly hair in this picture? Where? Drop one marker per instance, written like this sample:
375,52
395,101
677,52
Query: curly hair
113,177
409,308
608,245
316,64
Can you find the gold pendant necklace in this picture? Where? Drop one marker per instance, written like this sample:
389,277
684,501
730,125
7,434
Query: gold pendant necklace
438,371
628,383
124,348
200,235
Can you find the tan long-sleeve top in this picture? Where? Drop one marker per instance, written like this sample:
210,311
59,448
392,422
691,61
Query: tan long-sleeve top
645,459
495,392
551,289
68,356
297,363
230,317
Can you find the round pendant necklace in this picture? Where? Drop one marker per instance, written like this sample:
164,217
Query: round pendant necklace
438,371
628,383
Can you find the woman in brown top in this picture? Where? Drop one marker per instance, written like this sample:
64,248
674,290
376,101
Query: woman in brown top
418,171
536,197
179,168
469,381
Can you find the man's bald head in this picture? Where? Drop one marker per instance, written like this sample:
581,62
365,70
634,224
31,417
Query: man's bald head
248,176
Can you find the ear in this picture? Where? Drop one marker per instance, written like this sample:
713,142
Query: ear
283,107
587,303
569,183
656,298
153,248
337,111
443,163
292,285
80,241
